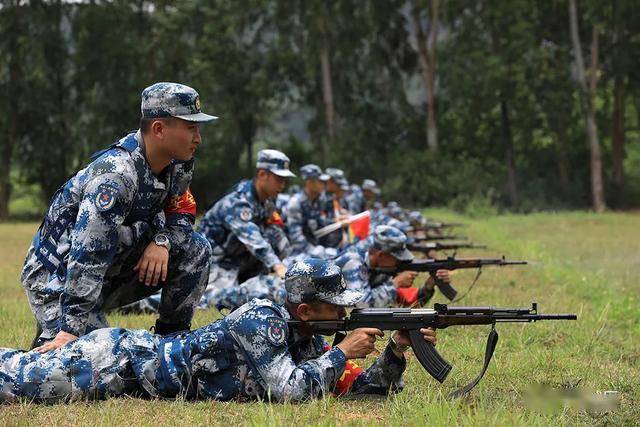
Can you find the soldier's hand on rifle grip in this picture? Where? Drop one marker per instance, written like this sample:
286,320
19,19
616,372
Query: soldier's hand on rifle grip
404,279
402,337
360,342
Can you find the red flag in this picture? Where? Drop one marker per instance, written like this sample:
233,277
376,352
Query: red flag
360,227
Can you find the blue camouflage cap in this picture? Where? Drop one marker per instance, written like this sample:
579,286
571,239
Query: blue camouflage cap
369,184
314,279
338,176
274,161
416,217
312,171
392,241
172,100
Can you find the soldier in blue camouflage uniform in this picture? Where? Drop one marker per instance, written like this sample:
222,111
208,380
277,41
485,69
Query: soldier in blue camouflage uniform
238,225
252,353
355,199
308,211
385,248
122,226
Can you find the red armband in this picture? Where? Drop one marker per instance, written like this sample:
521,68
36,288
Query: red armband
406,297
183,204
351,372
275,219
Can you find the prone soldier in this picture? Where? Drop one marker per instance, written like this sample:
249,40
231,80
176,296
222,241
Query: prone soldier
122,226
387,247
251,353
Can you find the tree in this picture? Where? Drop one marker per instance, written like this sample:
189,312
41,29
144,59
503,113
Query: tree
426,48
588,94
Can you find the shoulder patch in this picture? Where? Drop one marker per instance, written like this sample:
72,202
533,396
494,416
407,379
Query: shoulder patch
105,197
245,214
276,328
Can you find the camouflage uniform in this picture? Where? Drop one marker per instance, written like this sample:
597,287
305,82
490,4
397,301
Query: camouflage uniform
245,233
250,353
304,216
99,223
355,199
378,289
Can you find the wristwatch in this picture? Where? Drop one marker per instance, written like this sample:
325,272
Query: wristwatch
162,240
394,345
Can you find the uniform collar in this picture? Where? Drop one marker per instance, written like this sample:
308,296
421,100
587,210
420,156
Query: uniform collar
157,184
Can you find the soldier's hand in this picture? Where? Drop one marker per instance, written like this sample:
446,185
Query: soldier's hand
280,270
61,339
359,342
153,265
444,275
404,279
402,337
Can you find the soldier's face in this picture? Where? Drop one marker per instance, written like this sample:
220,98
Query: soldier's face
379,259
369,195
181,138
332,187
274,184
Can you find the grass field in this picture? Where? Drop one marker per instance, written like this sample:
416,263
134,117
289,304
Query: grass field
580,263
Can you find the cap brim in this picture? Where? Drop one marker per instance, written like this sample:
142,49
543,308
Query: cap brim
347,298
403,255
324,177
285,173
376,191
198,117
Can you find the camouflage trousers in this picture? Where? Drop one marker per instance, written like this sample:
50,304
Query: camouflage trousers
262,286
106,362
186,281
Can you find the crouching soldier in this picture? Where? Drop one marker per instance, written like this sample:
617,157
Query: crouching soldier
245,230
386,248
123,226
251,353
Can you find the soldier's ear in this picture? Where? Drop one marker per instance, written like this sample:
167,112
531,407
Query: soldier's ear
304,311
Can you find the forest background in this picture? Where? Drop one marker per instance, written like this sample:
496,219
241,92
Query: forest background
517,105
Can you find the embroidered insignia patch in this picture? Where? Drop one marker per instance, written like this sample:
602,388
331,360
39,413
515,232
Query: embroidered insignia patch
363,273
245,214
276,328
105,197
197,103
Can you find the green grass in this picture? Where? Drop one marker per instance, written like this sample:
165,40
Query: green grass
580,262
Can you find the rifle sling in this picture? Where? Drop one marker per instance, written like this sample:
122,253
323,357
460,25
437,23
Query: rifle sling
492,341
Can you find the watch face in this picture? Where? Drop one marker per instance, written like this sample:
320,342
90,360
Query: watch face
161,240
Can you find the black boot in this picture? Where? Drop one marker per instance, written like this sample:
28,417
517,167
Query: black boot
163,328
37,341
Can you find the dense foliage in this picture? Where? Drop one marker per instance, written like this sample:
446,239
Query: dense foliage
339,83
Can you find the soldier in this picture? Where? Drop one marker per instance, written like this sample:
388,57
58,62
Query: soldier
337,187
386,248
238,225
355,199
370,193
251,353
122,226
308,211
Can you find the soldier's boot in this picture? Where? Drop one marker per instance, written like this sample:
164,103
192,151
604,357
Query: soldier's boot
163,328
37,340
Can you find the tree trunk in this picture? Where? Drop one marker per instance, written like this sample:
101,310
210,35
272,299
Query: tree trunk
597,187
428,68
10,141
507,139
618,138
327,84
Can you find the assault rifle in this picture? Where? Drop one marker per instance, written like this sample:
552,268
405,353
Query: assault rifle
442,316
438,246
432,265
431,238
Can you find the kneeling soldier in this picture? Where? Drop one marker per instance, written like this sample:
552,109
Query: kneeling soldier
249,354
